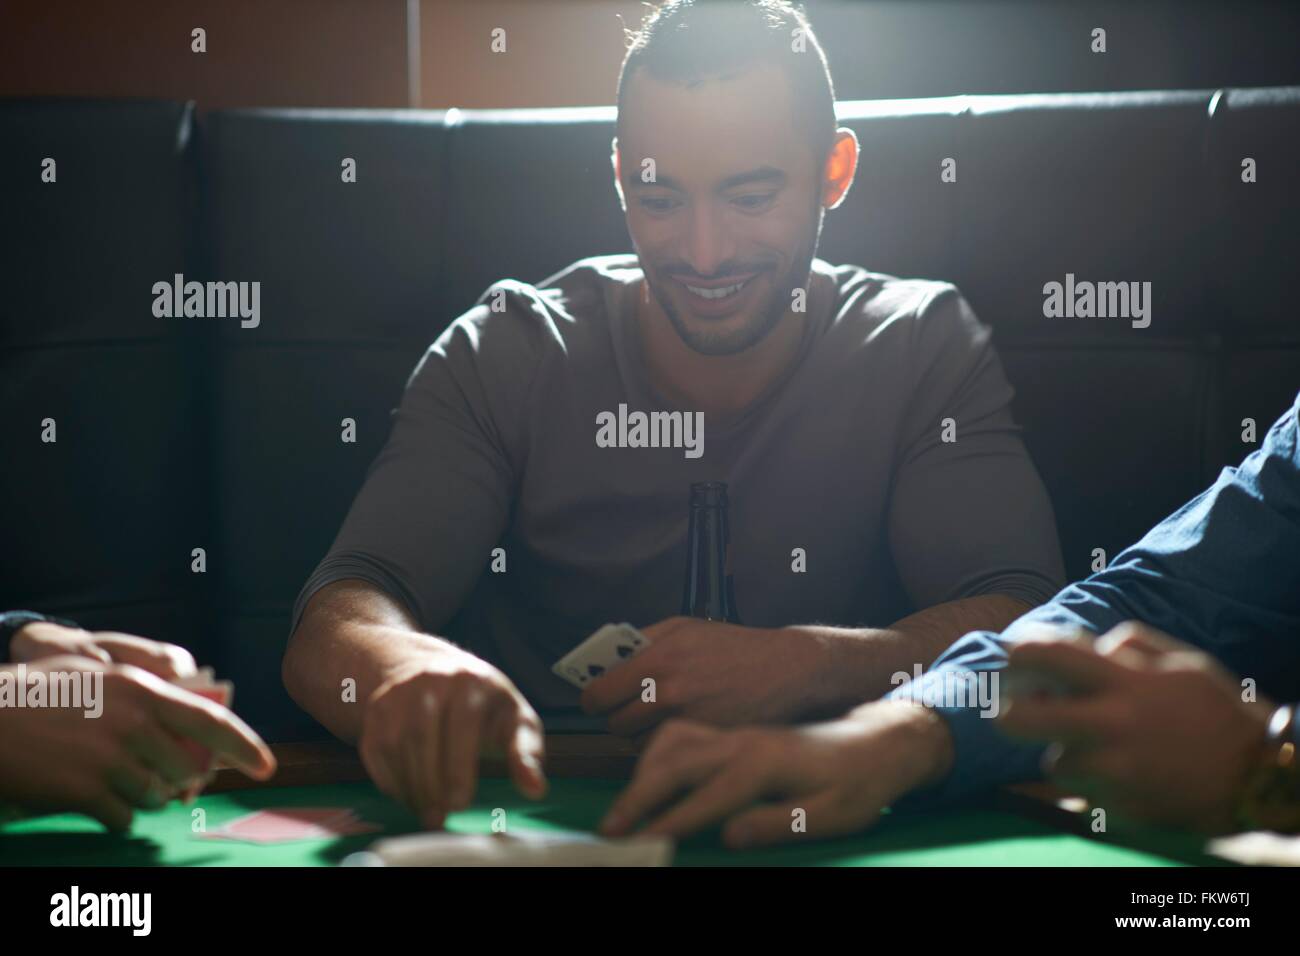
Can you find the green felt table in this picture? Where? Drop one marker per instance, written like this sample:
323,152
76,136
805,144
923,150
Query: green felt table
983,836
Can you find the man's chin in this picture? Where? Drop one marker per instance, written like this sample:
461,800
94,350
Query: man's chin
720,336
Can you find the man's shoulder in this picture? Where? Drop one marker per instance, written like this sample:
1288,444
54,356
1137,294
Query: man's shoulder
579,290
560,310
868,303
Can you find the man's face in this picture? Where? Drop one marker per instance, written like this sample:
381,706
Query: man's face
736,201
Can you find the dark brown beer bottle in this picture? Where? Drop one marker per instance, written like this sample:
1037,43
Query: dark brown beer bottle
708,592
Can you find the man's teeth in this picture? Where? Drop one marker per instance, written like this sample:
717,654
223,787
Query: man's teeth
717,293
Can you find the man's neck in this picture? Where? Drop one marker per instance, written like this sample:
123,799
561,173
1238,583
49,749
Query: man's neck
717,385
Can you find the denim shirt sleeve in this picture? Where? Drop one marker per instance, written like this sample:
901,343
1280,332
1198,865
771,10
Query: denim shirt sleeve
1221,573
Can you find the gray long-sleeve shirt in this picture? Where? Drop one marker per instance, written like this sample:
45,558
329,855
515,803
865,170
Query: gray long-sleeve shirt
495,445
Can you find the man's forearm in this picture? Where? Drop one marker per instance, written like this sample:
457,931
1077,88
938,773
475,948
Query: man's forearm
861,661
351,630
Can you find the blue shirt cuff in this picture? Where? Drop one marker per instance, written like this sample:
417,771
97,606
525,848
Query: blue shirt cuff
963,687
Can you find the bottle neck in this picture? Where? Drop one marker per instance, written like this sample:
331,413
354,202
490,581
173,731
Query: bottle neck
709,592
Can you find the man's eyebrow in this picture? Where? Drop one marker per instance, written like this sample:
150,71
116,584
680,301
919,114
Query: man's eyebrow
763,174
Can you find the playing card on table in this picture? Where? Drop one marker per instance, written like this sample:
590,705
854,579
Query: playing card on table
521,849
608,647
292,823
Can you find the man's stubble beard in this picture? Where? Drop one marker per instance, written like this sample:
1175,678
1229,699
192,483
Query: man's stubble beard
768,315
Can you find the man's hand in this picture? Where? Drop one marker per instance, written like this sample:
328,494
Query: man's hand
754,780
1157,731
46,639
424,728
722,674
57,758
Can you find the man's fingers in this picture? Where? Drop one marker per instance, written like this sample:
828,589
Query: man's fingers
637,716
396,764
1074,761
137,786
162,754
419,754
660,775
733,787
1137,643
1081,667
377,762
70,661
217,728
1073,719
165,660
776,823
461,739
526,756
94,652
617,687
661,629
110,810
1098,791
1105,767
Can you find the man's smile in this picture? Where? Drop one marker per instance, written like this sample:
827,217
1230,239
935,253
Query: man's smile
715,297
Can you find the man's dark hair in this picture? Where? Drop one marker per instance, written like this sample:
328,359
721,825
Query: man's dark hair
686,41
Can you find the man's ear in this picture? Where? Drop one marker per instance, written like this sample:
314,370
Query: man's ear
618,173
841,167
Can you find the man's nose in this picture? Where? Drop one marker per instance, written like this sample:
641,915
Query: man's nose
709,243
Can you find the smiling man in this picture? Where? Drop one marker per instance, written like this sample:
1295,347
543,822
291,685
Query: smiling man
882,501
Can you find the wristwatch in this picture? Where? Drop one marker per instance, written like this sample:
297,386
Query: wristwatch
11,622
1271,797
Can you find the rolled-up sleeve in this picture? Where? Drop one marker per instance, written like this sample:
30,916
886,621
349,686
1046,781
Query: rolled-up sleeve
969,514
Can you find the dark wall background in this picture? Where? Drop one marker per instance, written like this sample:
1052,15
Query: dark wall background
1022,46
566,52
